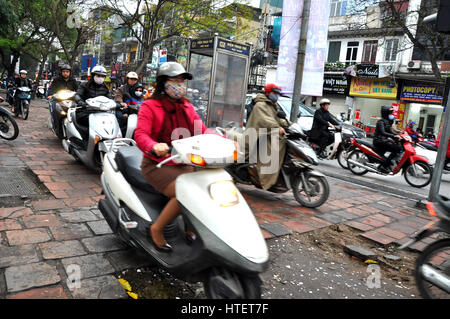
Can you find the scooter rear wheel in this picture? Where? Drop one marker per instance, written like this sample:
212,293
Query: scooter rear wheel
359,157
222,283
432,256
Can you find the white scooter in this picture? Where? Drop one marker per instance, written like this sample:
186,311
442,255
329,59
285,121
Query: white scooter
89,144
229,251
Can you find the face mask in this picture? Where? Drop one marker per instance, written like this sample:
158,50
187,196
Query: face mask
175,90
99,79
138,93
273,97
391,117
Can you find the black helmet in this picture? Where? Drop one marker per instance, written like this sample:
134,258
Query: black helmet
385,111
66,67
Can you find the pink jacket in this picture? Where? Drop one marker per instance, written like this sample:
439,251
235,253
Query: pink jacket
150,122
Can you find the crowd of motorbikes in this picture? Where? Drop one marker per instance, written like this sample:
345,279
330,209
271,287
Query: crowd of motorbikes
229,251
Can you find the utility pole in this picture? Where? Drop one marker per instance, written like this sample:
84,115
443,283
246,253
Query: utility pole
442,151
300,61
262,26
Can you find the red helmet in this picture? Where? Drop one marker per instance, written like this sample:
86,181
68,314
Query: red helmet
271,87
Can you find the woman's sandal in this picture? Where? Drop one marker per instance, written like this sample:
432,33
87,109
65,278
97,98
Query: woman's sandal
190,236
166,248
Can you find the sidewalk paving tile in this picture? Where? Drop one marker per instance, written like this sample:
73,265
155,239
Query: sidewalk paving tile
17,255
27,236
9,224
63,249
104,287
41,220
41,293
89,265
378,237
103,243
298,226
23,277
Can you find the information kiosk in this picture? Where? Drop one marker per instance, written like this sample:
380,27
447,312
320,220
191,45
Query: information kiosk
220,68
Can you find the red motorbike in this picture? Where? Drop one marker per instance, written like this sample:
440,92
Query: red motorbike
366,158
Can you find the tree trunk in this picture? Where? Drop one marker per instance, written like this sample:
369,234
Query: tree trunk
147,55
13,63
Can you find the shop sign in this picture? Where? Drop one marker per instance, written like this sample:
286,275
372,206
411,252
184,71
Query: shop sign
373,88
369,71
420,92
334,83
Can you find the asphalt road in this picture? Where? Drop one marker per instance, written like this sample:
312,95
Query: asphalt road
390,184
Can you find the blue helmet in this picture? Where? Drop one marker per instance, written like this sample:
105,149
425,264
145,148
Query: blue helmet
411,123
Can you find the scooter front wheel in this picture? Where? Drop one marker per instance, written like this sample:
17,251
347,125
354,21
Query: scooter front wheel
431,270
9,130
24,108
310,190
222,283
342,158
418,174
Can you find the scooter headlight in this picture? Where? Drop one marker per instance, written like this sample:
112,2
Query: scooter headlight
224,193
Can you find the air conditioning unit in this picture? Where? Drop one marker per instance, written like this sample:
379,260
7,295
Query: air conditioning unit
414,65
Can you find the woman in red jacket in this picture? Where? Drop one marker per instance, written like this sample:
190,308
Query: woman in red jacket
162,118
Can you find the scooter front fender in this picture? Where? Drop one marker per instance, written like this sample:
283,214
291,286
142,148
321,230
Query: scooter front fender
234,225
313,172
131,125
414,158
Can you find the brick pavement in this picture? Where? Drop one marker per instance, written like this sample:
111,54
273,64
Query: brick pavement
41,240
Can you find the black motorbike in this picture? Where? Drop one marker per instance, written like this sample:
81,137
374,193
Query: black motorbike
432,270
9,130
22,103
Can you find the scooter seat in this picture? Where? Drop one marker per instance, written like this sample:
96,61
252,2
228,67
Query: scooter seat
364,142
128,161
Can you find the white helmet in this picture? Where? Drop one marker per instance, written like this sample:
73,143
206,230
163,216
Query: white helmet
173,69
100,70
23,72
324,101
132,75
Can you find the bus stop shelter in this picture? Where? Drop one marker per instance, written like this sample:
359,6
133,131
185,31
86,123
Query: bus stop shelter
220,68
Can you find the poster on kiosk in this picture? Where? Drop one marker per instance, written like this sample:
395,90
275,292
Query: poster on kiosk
220,68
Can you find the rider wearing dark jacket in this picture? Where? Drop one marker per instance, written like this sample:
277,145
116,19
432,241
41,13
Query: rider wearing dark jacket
93,88
63,82
319,131
21,81
383,137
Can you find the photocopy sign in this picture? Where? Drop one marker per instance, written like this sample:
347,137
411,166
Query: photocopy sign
316,48
289,37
